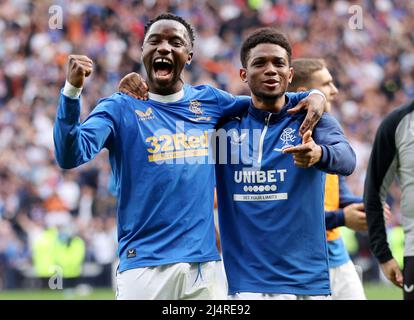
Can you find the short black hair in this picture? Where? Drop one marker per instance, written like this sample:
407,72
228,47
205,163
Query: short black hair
264,35
171,16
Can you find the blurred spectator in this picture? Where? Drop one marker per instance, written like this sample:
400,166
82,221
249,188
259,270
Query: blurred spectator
59,252
12,253
103,244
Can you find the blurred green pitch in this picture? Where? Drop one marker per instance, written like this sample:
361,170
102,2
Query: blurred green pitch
373,292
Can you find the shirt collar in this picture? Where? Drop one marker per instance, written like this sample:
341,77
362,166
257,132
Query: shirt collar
263,115
167,98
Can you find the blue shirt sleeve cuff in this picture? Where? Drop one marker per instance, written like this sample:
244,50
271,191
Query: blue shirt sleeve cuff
334,219
341,217
69,109
323,163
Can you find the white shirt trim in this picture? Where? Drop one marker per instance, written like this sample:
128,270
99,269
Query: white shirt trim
71,91
316,91
167,98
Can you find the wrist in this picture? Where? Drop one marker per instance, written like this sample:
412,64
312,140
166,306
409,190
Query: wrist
319,154
316,91
71,91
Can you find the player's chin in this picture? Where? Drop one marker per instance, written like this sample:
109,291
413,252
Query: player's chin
271,94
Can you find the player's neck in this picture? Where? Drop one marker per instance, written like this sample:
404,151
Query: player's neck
161,93
273,105
166,98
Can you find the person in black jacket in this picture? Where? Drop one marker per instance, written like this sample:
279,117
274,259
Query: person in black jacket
392,156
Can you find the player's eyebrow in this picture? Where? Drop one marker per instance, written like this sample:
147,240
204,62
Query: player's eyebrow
264,57
280,59
153,35
156,36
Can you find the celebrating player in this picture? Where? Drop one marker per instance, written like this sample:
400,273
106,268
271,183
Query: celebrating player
271,213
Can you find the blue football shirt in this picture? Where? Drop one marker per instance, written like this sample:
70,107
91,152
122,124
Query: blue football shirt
271,213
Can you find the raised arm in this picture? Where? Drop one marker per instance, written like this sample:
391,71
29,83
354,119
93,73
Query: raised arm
77,143
312,101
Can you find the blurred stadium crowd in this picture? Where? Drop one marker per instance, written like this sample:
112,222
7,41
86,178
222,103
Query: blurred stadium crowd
373,68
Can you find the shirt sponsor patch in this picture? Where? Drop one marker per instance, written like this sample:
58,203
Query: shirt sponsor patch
131,253
147,115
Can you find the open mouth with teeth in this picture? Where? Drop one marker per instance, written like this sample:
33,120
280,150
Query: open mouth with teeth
162,67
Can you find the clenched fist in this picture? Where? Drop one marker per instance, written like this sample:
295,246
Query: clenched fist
79,67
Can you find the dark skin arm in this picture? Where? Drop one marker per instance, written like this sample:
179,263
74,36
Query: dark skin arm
135,86
315,106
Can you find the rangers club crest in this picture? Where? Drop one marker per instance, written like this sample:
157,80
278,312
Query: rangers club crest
195,107
287,138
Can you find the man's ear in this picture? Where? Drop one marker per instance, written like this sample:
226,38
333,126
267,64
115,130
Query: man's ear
190,58
243,74
291,73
